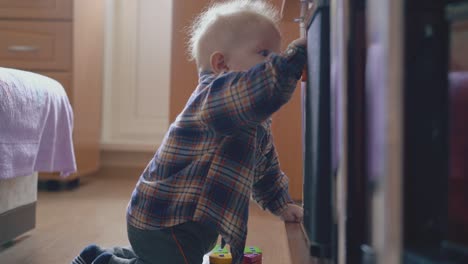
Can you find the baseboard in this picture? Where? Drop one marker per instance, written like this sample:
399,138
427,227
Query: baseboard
17,221
125,158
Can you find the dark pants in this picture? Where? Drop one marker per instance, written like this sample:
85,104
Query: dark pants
186,243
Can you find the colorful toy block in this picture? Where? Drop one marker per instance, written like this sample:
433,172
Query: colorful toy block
218,249
252,259
252,255
220,256
252,250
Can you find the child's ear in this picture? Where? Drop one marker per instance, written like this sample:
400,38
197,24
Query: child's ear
218,62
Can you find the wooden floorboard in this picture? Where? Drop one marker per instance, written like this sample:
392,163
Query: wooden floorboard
94,212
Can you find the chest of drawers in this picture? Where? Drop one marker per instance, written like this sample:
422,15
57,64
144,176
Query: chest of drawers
62,39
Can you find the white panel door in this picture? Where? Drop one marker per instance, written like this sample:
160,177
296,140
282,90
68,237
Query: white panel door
136,93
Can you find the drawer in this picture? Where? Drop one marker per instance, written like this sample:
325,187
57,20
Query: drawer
64,78
36,45
36,9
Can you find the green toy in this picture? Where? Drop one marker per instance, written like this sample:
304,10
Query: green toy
252,250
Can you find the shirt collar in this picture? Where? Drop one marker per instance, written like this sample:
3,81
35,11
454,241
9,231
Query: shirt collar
204,75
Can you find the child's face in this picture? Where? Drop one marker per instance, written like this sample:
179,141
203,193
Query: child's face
254,50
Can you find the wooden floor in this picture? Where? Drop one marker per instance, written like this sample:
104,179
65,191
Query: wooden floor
94,212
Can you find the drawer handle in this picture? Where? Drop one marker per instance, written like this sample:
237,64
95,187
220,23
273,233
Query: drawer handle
22,48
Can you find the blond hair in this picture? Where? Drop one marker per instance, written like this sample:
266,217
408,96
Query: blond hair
205,34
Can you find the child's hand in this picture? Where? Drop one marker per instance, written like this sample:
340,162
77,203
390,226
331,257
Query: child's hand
293,213
301,42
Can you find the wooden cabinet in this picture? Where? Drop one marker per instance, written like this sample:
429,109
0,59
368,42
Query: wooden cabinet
36,9
36,45
287,126
62,39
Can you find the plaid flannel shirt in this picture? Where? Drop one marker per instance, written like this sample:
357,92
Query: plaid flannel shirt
219,152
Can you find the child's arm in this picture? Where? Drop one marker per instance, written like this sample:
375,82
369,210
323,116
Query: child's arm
270,188
238,99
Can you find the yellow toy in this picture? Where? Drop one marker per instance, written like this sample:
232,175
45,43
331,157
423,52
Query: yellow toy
220,256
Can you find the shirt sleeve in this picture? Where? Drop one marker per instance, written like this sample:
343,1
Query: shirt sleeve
237,99
270,188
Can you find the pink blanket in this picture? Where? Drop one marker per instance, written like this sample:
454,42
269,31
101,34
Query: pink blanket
36,122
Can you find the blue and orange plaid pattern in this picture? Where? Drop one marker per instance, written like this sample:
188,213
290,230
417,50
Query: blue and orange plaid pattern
219,152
